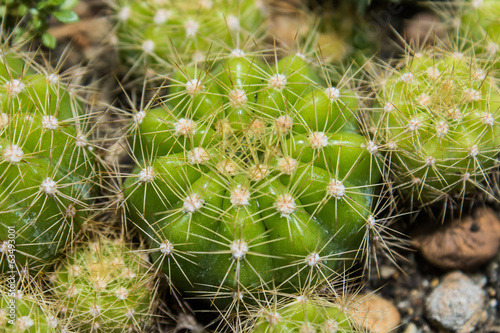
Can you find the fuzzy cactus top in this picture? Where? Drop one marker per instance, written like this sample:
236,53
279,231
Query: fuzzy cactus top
104,287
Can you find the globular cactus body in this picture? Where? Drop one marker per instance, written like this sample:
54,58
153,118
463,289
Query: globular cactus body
46,161
255,174
24,308
437,117
159,31
480,23
104,287
302,314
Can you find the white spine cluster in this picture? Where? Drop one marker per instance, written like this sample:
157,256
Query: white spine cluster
166,247
193,87
148,46
50,123
147,174
239,249
14,87
318,140
237,97
336,189
285,204
13,154
332,93
313,259
277,81
198,156
287,165
240,196
191,28
192,203
49,187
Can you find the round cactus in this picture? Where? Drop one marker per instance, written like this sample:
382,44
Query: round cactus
24,308
249,175
302,314
104,287
480,21
437,115
46,162
157,31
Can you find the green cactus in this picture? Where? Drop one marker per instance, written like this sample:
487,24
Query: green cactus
155,32
104,287
46,162
480,24
24,308
436,115
302,313
251,174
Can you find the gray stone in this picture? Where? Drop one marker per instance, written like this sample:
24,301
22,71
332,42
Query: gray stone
456,304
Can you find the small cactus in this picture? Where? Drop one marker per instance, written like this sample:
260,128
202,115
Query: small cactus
301,313
46,161
104,287
25,308
479,22
155,32
251,173
437,116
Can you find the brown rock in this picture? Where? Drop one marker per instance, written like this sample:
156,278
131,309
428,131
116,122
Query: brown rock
463,244
375,313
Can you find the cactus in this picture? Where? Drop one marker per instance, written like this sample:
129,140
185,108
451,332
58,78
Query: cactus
436,115
46,162
24,308
250,174
303,312
156,31
480,23
104,287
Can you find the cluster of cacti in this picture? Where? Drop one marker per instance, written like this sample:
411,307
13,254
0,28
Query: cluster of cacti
46,162
251,174
255,173
28,19
104,286
437,118
155,31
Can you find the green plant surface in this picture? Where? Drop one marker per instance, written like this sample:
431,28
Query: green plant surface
303,314
46,162
104,286
480,25
152,32
251,174
24,307
436,115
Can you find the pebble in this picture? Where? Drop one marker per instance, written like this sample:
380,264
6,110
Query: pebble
463,244
387,272
376,314
456,304
411,328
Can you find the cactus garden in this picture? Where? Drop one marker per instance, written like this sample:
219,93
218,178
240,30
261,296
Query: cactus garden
249,166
